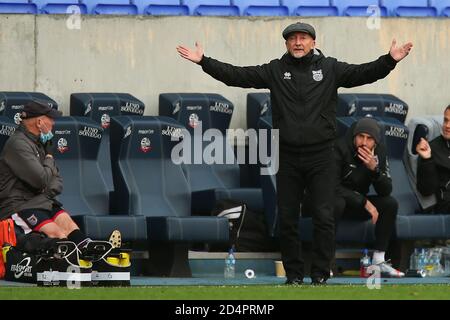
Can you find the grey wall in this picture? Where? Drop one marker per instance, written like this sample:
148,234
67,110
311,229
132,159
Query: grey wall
137,55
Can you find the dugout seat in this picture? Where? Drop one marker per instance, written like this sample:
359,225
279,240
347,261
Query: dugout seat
18,6
260,8
359,8
100,107
147,182
211,8
60,6
442,7
85,194
114,7
409,8
209,182
7,128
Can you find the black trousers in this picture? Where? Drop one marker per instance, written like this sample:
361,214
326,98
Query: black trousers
387,212
312,171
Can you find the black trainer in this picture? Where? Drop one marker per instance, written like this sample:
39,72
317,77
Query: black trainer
318,281
294,282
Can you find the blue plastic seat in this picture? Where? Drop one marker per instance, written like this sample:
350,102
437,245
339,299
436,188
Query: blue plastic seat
12,103
85,194
161,7
148,182
258,105
211,8
18,6
209,182
260,8
115,7
60,6
359,8
442,7
310,8
100,107
370,104
409,8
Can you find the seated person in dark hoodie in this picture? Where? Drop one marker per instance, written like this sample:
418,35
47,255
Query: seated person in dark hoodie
362,161
433,167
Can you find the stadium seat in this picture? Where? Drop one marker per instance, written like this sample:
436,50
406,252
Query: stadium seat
7,128
211,8
209,182
260,8
148,182
442,7
115,7
409,8
100,107
18,6
162,7
12,103
60,6
310,7
369,104
258,105
85,195
359,8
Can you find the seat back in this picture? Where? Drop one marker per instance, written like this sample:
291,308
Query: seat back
77,142
211,8
409,8
359,8
12,103
60,6
442,7
260,8
7,128
162,7
146,179
258,105
116,7
214,112
310,7
18,6
368,104
395,139
100,107
428,127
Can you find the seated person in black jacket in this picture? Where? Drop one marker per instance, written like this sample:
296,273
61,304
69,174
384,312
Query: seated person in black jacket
433,167
361,161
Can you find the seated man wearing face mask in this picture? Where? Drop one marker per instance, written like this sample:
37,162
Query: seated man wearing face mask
30,180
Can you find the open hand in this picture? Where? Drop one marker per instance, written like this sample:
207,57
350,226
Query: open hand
191,55
398,53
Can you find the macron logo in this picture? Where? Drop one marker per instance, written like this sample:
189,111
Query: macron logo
287,76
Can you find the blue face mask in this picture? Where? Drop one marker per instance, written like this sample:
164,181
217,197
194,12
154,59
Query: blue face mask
45,137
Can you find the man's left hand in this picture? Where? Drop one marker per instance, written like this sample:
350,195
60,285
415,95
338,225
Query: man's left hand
398,53
367,157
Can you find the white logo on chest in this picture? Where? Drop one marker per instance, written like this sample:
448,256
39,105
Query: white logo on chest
317,75
287,76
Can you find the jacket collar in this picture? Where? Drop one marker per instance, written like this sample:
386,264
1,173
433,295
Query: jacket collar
28,134
313,56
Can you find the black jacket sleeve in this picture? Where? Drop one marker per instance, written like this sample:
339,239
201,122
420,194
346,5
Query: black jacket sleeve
352,75
381,179
352,198
245,77
427,177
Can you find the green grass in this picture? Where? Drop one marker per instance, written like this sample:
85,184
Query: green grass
331,292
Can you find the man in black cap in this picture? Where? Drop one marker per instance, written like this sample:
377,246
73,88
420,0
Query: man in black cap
303,85
30,180
361,162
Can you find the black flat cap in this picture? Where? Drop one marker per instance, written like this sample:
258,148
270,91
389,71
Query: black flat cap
36,108
299,27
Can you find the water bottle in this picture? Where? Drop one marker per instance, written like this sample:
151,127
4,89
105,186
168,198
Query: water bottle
230,264
413,260
421,260
364,263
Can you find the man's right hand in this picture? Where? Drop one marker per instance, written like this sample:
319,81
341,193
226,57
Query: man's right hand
423,149
372,210
194,56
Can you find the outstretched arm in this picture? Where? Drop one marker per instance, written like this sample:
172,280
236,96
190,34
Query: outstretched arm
352,75
245,77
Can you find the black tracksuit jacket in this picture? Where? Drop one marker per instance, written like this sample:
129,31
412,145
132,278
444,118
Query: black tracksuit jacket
433,175
303,92
354,178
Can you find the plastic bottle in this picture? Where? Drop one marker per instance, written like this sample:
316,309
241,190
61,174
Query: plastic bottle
414,260
230,264
421,260
364,263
